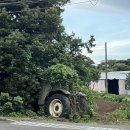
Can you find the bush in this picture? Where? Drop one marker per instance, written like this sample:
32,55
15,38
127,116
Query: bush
4,97
1,110
112,97
90,95
29,113
10,104
7,107
18,103
62,76
13,114
41,111
126,99
123,112
75,118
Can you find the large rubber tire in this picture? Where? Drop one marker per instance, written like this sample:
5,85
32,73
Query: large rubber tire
58,105
83,106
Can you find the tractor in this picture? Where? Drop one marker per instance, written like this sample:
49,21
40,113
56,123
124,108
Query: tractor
58,102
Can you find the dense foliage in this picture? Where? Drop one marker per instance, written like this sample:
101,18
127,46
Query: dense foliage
91,96
61,76
116,65
10,104
32,38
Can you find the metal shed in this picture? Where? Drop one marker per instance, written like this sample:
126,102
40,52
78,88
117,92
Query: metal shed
116,83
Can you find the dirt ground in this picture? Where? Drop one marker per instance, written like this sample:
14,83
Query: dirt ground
104,106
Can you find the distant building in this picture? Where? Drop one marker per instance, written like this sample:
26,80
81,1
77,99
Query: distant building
116,83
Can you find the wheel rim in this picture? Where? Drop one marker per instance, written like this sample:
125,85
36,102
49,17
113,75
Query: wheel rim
55,108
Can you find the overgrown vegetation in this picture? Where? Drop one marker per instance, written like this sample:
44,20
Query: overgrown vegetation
9,104
62,76
33,48
113,97
90,95
120,114
13,106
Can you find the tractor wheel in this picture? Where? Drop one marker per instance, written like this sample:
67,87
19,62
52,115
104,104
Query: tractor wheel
83,106
58,105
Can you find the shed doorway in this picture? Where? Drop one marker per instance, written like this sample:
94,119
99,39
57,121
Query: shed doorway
113,86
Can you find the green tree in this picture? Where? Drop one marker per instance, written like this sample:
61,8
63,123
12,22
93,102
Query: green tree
32,38
116,65
121,67
85,68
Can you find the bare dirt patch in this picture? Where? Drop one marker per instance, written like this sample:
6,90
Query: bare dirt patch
104,110
104,106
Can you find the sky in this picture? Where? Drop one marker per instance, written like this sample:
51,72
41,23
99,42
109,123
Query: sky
107,20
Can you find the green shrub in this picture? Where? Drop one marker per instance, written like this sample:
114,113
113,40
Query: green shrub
41,111
4,97
126,99
7,107
13,114
113,97
1,110
10,104
61,75
90,95
123,112
110,97
13,106
18,103
29,113
128,115
75,118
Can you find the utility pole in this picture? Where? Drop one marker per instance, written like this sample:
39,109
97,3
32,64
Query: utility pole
106,80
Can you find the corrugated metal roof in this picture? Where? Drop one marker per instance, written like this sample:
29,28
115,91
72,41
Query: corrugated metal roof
115,75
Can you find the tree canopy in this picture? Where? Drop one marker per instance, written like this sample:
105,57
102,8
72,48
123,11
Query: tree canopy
32,38
116,65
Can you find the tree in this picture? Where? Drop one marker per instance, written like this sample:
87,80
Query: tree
121,67
32,38
116,65
85,68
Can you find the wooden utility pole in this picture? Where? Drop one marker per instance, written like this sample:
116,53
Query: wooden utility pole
106,80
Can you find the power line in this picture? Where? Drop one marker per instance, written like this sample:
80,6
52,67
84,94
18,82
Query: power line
93,2
16,3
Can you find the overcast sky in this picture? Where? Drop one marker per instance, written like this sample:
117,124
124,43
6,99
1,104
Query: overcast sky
108,21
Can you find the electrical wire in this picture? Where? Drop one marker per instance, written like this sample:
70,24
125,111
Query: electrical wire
93,2
8,2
